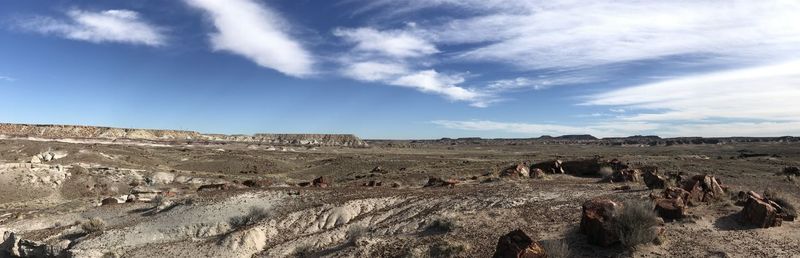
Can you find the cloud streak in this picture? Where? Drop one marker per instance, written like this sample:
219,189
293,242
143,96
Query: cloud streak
251,30
117,26
767,93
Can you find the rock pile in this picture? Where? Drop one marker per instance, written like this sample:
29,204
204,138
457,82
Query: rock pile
517,244
48,156
673,202
624,175
521,170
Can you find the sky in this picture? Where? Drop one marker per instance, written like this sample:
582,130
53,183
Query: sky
400,69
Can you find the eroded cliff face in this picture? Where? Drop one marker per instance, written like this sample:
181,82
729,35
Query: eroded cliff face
110,133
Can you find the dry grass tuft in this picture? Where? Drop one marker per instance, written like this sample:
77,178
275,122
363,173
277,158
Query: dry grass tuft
93,225
446,248
636,223
557,249
256,214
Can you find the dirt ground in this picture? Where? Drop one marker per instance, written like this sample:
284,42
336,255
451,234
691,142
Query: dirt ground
46,203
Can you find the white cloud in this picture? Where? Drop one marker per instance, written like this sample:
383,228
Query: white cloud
121,26
434,82
393,57
577,34
538,83
629,128
767,93
249,29
394,43
537,129
8,79
372,71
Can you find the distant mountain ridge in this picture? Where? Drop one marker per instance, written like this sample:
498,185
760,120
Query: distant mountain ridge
157,135
648,140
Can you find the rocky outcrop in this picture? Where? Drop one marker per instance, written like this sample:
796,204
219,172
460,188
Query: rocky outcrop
517,244
170,136
703,189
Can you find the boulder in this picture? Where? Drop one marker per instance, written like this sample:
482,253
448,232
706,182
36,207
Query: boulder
437,181
213,187
671,209
517,244
624,175
519,170
321,182
703,188
587,167
760,212
596,220
257,183
652,179
537,173
109,201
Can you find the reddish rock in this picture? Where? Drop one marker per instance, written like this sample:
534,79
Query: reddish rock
761,212
596,221
624,175
517,244
671,209
519,170
652,179
704,188
258,183
321,182
213,187
537,173
109,201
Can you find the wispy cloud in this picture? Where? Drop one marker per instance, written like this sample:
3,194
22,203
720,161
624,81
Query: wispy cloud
538,129
766,93
394,57
119,26
628,128
252,30
7,79
393,43
576,34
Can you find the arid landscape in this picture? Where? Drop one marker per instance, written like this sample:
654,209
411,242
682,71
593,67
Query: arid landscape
72,191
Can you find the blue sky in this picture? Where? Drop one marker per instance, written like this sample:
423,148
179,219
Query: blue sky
406,68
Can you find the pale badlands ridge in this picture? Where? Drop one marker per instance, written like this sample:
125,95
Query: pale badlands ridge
110,133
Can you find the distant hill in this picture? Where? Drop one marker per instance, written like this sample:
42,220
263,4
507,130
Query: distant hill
154,135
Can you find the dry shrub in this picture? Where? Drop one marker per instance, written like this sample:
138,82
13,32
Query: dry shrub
442,225
93,225
557,248
447,248
256,214
354,233
636,223
787,206
605,172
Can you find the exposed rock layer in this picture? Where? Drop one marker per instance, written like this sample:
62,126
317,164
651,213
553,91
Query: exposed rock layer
110,133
